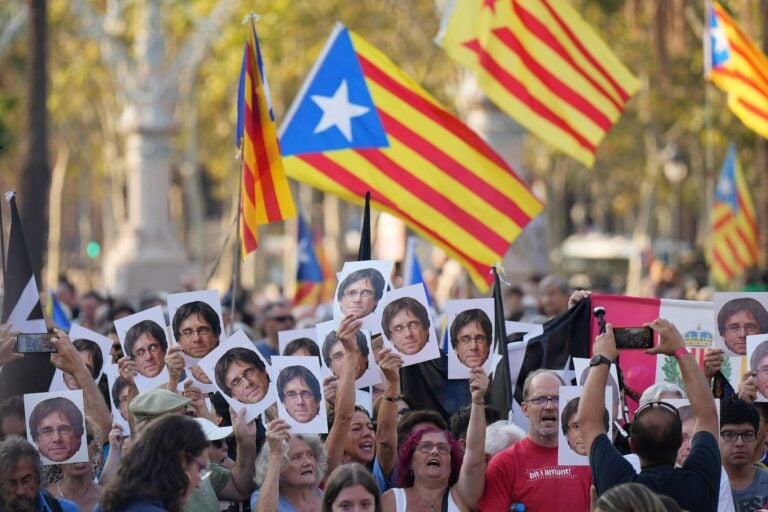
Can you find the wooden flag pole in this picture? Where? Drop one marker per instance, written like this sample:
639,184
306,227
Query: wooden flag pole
238,250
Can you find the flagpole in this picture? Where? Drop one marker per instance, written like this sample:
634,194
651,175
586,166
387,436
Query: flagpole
238,241
709,151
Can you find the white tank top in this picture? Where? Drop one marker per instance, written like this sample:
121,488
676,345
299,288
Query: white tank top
401,502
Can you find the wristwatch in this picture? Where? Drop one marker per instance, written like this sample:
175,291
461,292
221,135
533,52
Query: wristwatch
599,359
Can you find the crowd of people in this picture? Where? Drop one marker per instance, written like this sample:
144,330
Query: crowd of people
188,450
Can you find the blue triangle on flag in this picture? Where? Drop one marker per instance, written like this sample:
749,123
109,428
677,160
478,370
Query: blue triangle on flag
309,270
334,109
725,191
718,40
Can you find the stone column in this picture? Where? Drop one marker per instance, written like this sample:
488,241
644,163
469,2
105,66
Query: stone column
147,256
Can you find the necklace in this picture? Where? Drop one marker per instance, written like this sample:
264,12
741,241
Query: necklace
58,486
430,504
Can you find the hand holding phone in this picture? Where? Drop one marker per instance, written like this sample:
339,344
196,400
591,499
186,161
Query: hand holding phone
27,343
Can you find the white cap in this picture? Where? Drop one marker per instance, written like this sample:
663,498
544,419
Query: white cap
211,431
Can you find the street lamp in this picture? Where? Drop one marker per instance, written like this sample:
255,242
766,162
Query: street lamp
675,170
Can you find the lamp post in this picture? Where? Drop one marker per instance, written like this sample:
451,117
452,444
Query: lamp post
675,170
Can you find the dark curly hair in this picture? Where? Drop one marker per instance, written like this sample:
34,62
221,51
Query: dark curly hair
153,468
404,466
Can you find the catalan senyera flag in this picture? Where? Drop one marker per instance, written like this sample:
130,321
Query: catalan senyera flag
735,239
309,274
543,65
360,124
738,67
266,195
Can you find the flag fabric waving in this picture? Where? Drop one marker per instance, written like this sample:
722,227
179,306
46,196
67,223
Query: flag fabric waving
735,239
738,67
21,308
309,275
266,194
543,65
55,311
359,123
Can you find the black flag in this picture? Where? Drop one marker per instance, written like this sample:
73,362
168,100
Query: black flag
501,391
21,307
364,253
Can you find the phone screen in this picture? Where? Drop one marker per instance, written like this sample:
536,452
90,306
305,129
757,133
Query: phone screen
633,337
34,342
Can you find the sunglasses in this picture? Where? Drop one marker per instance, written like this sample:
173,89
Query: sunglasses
660,405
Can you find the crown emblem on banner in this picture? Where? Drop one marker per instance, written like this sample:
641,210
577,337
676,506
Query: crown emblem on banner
698,338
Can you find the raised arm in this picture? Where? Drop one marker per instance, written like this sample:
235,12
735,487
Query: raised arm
386,430
345,393
278,435
702,404
128,370
174,361
241,485
471,483
68,360
592,402
7,340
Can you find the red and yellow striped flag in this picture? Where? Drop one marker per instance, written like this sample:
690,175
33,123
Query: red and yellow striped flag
735,240
266,194
426,167
739,68
543,65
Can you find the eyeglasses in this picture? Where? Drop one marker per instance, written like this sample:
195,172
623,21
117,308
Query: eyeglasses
200,331
353,294
247,374
654,405
466,340
294,395
282,318
142,352
542,400
338,356
427,447
730,436
749,328
49,432
411,326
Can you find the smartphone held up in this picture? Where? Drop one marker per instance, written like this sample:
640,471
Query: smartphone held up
28,343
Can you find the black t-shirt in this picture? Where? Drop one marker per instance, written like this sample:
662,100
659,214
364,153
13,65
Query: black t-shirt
695,486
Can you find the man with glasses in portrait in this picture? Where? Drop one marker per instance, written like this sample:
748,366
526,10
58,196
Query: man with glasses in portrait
299,391
146,343
57,427
405,322
471,333
359,293
242,375
197,327
739,318
527,472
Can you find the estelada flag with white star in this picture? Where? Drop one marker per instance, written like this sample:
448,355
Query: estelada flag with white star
736,65
266,194
360,124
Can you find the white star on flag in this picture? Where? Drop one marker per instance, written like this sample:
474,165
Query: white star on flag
338,111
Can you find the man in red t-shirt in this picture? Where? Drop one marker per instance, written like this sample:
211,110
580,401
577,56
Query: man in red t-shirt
527,472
